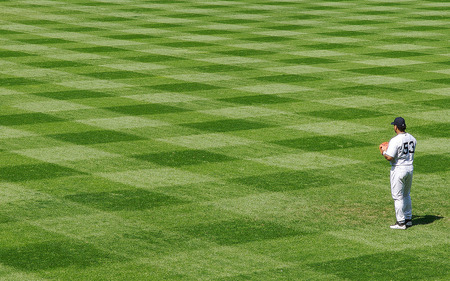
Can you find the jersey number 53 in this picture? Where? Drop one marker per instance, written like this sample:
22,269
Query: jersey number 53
408,147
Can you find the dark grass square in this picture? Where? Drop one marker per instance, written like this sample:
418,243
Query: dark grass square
131,36
428,164
9,32
4,219
227,125
117,75
287,78
442,103
306,16
184,157
383,266
236,21
437,130
96,4
445,81
380,70
153,58
258,99
103,49
397,54
27,119
444,62
409,40
246,52
13,54
363,22
38,22
158,25
345,113
35,172
329,46
213,32
287,181
146,109
111,19
364,90
264,39
95,137
72,95
321,143
53,254
186,44
18,81
185,87
345,33
422,28
44,41
309,61
214,68
187,15
124,200
376,13
238,231
288,27
75,28
56,64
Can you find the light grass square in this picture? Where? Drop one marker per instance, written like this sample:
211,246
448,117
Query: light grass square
136,66
438,116
65,153
202,77
6,92
93,84
319,53
376,80
8,133
244,112
437,91
274,88
403,47
224,26
389,62
123,122
308,160
152,178
200,38
205,141
165,98
217,262
357,101
232,60
338,40
284,207
73,56
299,69
51,106
335,128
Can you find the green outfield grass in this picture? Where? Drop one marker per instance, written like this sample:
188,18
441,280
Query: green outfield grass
220,140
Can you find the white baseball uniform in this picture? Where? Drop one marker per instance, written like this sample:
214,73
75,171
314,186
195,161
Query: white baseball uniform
402,148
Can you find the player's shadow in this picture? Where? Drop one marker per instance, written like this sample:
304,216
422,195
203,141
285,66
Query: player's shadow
427,219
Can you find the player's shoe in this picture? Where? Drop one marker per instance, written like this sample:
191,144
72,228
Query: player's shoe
408,223
398,225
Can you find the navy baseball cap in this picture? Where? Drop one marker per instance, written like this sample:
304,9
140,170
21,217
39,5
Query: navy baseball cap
399,121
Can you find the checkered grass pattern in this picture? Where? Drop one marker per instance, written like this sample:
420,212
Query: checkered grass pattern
220,140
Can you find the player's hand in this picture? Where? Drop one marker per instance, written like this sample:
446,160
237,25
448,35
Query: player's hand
383,147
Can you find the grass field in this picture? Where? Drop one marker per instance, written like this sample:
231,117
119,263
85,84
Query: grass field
220,140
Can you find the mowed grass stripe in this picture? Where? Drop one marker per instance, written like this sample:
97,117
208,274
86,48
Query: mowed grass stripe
231,140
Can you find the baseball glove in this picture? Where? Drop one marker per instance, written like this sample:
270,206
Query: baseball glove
384,146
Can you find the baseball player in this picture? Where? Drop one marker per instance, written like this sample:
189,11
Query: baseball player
400,153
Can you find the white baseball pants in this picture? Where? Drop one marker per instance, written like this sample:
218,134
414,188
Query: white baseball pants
401,181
